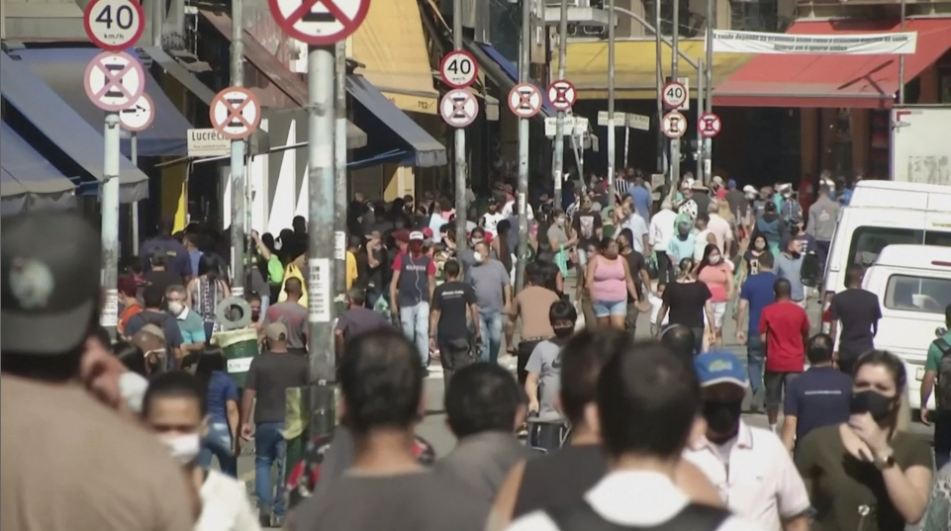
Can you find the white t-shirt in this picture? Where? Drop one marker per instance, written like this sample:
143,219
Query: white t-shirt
509,209
639,228
225,505
630,498
490,222
662,229
720,228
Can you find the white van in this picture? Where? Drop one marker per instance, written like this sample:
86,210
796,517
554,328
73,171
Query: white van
913,285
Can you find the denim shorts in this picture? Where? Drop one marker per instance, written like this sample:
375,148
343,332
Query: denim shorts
606,308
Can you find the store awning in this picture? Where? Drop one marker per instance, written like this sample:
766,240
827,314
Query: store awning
391,131
586,66
391,44
64,128
813,80
27,180
63,70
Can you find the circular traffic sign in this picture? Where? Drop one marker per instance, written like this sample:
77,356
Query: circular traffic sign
235,113
458,108
562,95
458,68
674,124
114,81
139,116
113,25
674,95
709,125
525,100
319,21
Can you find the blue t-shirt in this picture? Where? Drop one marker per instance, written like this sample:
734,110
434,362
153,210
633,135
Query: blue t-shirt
758,290
221,389
820,397
642,200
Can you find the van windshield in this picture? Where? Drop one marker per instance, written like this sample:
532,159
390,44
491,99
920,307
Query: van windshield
868,242
918,294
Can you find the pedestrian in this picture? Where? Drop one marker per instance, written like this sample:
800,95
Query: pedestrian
454,322
174,255
490,220
588,226
381,382
493,291
703,236
158,275
207,291
756,294
681,341
640,239
129,304
356,320
442,214
683,244
789,267
771,226
859,311
268,378
720,227
292,315
646,386
748,465
783,328
544,366
153,300
688,301
661,231
351,267
717,273
736,199
71,459
641,194
483,409
609,283
174,409
414,279
376,259
758,246
221,401
531,309
938,378
820,397
637,265
938,517
869,473
189,323
823,216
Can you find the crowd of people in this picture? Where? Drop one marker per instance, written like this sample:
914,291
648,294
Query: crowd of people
599,426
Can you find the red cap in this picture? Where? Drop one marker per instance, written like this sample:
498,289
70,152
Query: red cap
427,232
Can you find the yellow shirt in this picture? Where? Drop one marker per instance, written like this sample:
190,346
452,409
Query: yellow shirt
351,269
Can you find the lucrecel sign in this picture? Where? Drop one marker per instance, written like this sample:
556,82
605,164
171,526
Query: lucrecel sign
207,143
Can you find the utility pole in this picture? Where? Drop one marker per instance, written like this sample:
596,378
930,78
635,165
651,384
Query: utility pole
901,62
340,169
661,145
559,159
675,142
462,206
708,142
320,249
700,148
627,141
238,193
524,63
110,223
134,207
611,139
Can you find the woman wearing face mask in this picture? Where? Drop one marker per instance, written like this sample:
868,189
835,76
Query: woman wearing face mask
609,284
688,302
717,274
174,409
757,247
869,473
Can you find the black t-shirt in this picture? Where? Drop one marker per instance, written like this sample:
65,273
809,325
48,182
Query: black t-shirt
586,225
858,310
269,376
686,303
636,262
452,299
161,280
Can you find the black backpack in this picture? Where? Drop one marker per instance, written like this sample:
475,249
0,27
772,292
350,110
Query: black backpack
582,517
943,388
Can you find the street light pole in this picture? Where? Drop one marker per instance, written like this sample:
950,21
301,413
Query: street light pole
460,141
110,223
238,194
700,153
340,168
611,79
674,58
524,64
558,162
661,165
708,142
901,62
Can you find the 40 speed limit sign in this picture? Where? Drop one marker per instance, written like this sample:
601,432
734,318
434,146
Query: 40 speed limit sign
674,95
458,69
113,25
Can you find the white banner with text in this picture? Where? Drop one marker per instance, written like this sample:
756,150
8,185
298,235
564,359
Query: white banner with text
729,41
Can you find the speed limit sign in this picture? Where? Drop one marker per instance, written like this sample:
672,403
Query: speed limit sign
458,69
113,25
674,95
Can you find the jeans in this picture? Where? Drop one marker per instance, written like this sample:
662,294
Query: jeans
218,444
415,321
755,358
490,328
270,449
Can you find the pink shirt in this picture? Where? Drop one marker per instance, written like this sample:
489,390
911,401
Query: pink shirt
716,278
610,282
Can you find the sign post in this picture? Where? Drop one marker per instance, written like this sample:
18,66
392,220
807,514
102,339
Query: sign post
136,119
458,108
561,94
457,60
525,101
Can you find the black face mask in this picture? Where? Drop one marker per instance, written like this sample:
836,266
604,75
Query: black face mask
723,419
562,332
871,402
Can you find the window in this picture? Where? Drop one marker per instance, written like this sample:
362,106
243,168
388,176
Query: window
918,294
868,242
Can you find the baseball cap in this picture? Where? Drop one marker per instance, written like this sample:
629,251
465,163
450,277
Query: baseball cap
276,331
416,235
427,233
50,282
719,367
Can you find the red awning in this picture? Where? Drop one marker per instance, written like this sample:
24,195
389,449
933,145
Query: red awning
853,81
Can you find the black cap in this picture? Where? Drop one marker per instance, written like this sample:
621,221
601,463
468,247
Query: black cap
50,282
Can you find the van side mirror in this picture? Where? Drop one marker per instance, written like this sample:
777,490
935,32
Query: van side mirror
940,331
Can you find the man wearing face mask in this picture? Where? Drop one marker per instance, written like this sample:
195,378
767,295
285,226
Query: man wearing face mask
493,291
749,466
174,409
542,383
789,267
189,323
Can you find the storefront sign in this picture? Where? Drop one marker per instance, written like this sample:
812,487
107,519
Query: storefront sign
207,143
729,41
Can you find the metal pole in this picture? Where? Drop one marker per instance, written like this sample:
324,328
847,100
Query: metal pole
612,144
110,224
340,169
700,147
708,142
134,207
675,142
459,151
661,165
558,162
627,141
238,192
523,138
320,263
158,16
901,62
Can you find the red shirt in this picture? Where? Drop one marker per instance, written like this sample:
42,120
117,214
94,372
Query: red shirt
784,324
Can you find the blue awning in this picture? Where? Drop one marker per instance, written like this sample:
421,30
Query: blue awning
63,70
503,72
390,131
58,123
27,180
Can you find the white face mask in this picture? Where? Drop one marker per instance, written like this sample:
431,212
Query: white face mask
715,260
560,221
183,447
176,308
477,256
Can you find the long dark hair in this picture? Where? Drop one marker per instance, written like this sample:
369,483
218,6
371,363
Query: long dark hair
212,266
629,236
900,418
707,251
211,359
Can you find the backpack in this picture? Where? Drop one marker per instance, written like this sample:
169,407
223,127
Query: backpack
943,388
582,517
